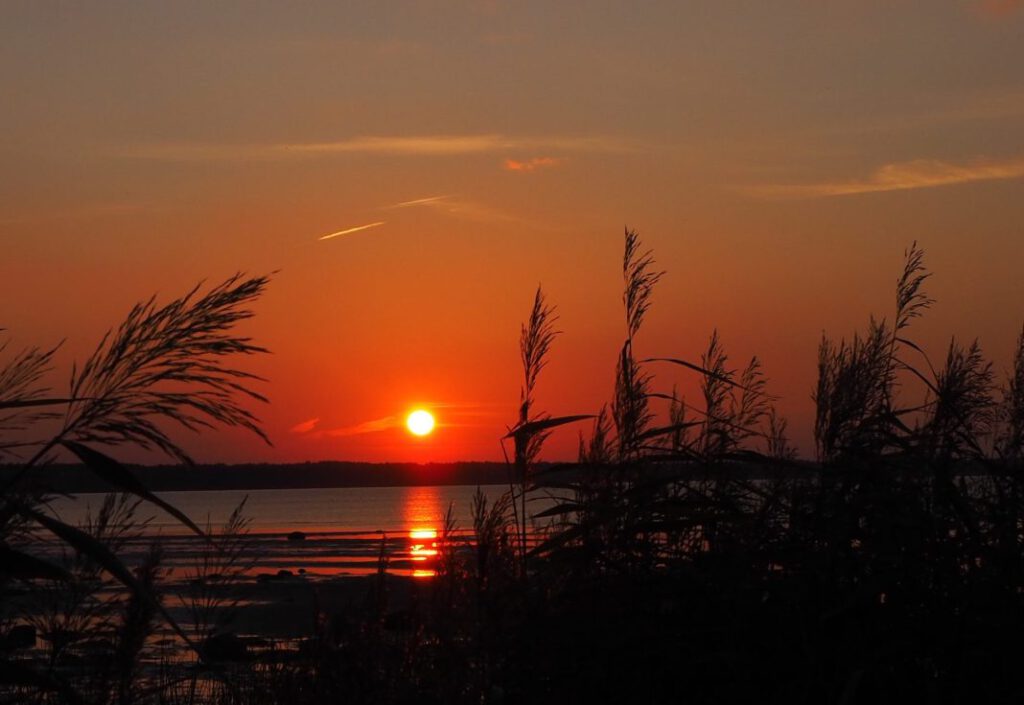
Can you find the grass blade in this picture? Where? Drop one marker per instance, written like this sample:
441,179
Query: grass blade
96,550
122,478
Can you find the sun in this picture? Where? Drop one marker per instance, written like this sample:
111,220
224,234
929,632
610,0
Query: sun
420,422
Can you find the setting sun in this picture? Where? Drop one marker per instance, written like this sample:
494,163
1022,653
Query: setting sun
420,422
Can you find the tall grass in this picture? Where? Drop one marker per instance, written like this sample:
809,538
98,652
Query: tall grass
532,428
911,514
170,364
535,340
1010,442
692,556
629,407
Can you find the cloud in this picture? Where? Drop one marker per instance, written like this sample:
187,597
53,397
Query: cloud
531,164
428,201
458,207
415,145
305,426
349,231
433,145
901,176
375,426
449,415
430,145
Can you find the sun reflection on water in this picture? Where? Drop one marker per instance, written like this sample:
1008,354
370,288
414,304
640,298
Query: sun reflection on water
423,510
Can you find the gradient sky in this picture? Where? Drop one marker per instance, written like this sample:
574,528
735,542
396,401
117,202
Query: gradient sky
778,157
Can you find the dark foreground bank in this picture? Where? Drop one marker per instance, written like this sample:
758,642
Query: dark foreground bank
853,583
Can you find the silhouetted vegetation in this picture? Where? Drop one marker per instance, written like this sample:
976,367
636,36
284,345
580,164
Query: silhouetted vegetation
689,556
95,614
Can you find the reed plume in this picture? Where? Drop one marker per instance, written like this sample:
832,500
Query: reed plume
23,397
855,395
168,363
535,339
716,385
599,449
632,385
1010,444
963,408
162,364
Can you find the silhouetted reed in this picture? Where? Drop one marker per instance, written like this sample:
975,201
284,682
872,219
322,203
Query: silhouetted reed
162,364
912,513
23,397
690,554
532,428
1010,440
209,591
630,403
535,340
693,557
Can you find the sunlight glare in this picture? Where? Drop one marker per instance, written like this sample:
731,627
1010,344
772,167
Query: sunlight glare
420,422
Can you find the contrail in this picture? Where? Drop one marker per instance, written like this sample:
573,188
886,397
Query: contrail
420,202
352,230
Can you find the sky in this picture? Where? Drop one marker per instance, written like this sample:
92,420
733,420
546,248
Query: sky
412,171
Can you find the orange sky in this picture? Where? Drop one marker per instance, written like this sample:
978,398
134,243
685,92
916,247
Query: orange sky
778,157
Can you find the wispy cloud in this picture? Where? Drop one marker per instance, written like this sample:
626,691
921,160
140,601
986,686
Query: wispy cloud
458,207
449,415
349,231
901,176
429,200
531,164
383,424
428,145
467,209
305,426
413,145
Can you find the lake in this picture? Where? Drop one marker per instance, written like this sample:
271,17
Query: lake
344,529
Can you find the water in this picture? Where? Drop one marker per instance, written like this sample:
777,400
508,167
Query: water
344,529
362,509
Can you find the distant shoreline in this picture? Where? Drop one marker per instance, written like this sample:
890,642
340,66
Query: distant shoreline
77,479
73,478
